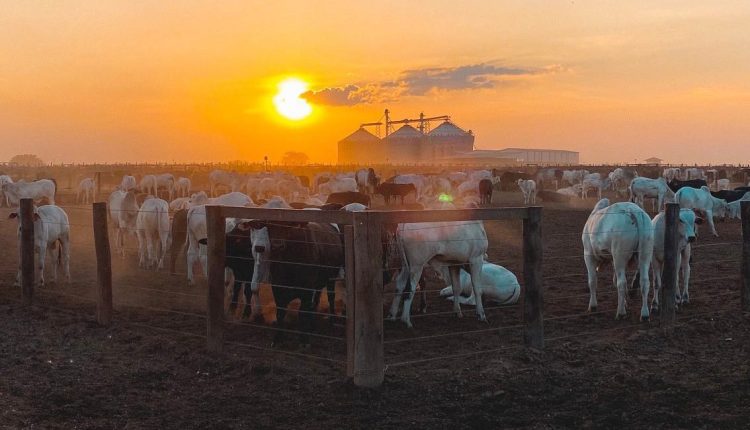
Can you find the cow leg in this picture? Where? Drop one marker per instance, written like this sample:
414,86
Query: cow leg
192,257
416,273
591,269
658,270
645,284
710,218
40,262
141,250
621,285
685,263
401,280
55,254
454,273
423,296
475,270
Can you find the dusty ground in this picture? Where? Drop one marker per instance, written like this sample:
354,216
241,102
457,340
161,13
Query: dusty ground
150,369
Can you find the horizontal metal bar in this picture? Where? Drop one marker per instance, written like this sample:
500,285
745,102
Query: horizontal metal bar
289,215
413,216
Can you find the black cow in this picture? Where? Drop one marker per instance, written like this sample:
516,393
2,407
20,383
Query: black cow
676,184
742,188
372,181
729,195
388,190
177,234
239,258
304,258
346,197
485,192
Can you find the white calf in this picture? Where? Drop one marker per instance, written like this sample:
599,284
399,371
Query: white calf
687,233
37,190
671,173
51,227
152,226
182,187
179,203
86,187
338,186
439,243
127,183
4,179
498,285
702,201
618,233
596,183
148,185
166,181
657,189
528,188
123,211
722,184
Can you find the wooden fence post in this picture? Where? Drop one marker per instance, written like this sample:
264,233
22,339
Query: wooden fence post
26,215
369,369
103,265
533,298
215,226
669,271
745,210
98,185
349,270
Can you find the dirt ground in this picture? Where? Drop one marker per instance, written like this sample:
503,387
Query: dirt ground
150,369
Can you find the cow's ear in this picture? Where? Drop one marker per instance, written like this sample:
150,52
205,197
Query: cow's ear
13,215
255,224
698,220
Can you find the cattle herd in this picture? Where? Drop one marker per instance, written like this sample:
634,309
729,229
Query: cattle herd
166,215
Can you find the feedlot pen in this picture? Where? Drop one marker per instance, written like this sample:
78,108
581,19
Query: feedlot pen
164,303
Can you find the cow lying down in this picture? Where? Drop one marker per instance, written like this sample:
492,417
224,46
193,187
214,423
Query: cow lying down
497,284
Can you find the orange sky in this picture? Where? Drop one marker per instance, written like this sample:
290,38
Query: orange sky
193,81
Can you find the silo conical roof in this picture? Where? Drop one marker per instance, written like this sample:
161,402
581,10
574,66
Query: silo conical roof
361,136
405,132
447,129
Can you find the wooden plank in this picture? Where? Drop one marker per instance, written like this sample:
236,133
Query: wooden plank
216,248
288,215
533,298
745,210
669,273
349,271
103,265
98,186
369,369
26,214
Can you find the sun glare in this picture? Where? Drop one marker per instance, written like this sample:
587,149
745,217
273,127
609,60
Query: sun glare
288,102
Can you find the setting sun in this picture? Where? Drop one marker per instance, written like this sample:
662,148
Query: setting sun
288,102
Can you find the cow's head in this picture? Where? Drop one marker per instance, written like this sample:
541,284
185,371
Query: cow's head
688,221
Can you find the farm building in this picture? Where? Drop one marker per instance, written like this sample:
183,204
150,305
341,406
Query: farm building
407,144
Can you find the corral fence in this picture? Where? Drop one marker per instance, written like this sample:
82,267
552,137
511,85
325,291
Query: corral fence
362,335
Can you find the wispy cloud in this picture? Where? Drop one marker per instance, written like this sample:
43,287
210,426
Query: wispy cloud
419,82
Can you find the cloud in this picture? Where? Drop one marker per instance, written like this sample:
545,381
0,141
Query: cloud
419,82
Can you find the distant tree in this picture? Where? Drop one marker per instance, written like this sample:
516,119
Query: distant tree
293,158
26,160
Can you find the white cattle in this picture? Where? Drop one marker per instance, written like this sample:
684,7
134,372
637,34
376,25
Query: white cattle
338,185
439,243
722,184
671,173
218,178
148,185
36,190
183,187
152,227
51,228
620,178
457,177
594,182
127,183
179,203
123,211
166,181
438,185
654,188
574,176
478,175
528,188
549,175
694,173
734,209
196,231
234,198
686,235
573,191
618,232
498,285
4,179
702,201
85,187
467,188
